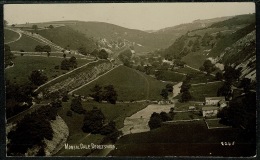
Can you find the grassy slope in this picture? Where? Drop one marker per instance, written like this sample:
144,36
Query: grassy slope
181,139
23,66
116,112
195,59
64,36
25,43
10,35
171,76
199,92
129,84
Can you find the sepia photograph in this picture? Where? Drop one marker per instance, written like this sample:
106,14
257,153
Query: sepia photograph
130,79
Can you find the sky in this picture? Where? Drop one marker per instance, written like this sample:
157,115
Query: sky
142,16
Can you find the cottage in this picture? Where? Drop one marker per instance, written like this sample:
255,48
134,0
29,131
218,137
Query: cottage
191,108
213,100
210,111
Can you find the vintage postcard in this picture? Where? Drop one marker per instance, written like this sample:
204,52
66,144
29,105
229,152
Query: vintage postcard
130,79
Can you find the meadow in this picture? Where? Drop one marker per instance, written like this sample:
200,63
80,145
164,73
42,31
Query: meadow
24,65
183,139
131,85
10,35
199,92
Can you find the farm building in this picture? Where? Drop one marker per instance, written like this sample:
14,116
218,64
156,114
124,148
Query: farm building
213,100
210,111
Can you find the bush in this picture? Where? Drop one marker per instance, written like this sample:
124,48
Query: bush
155,121
93,121
76,106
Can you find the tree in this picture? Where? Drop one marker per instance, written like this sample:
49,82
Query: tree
208,66
185,96
73,62
9,56
38,78
103,54
225,90
46,48
34,27
164,93
65,64
31,131
51,26
96,93
245,84
155,121
38,48
231,74
165,117
169,87
76,106
185,86
93,121
110,94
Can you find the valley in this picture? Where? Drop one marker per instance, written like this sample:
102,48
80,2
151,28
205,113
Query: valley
169,92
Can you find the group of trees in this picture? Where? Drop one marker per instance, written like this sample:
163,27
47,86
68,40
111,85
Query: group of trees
208,67
230,75
185,93
45,48
94,123
37,77
108,93
18,97
156,119
9,56
31,131
125,57
66,64
241,113
102,54
76,105
164,92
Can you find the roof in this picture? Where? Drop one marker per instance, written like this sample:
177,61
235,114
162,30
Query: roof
209,108
214,98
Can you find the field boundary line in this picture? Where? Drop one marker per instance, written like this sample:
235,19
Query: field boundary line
93,79
64,75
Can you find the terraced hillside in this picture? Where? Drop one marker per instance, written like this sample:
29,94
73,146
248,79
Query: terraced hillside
75,78
129,84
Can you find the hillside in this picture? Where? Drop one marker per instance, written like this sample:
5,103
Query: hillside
66,37
177,31
231,41
134,85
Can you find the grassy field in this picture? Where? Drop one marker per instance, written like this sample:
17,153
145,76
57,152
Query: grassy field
24,65
25,43
195,59
10,35
213,123
67,37
116,112
172,76
129,84
202,78
186,70
53,54
182,139
199,92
